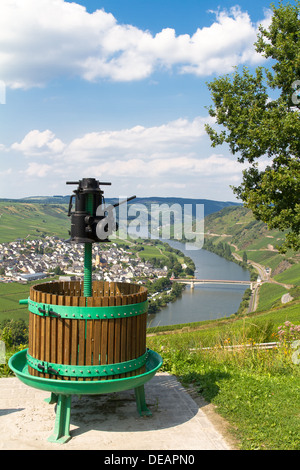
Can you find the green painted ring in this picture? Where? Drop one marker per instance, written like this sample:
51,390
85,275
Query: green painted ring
65,370
18,364
88,313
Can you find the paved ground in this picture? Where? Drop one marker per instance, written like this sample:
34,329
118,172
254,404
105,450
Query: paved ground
109,422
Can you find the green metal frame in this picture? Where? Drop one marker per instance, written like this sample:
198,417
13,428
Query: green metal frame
87,371
86,313
61,431
87,279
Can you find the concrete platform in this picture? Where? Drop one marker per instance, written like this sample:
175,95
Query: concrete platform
109,422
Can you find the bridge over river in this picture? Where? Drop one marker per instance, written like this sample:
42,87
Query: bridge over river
192,282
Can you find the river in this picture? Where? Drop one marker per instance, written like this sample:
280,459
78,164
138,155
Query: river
205,301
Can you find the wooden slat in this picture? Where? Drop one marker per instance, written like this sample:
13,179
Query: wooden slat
67,335
31,340
37,331
32,346
53,323
89,337
123,336
60,336
42,354
81,337
74,336
77,288
118,323
111,336
97,335
104,335
48,332
134,338
31,331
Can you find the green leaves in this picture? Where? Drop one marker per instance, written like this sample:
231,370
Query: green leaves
256,126
281,43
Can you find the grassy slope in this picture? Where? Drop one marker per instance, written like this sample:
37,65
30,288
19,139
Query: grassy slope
10,294
237,227
257,391
21,220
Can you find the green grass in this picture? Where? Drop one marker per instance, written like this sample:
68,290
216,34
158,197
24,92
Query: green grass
266,258
23,220
9,302
260,327
151,251
257,391
289,312
269,295
10,294
290,276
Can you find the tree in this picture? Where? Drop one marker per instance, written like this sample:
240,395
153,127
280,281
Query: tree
257,126
58,270
14,332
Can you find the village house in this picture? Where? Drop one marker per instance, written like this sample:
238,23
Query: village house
25,259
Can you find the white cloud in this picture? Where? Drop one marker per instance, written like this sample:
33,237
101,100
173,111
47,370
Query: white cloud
39,143
171,148
44,39
173,156
148,142
39,170
178,166
7,172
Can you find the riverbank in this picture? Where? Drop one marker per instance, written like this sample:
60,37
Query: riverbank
204,302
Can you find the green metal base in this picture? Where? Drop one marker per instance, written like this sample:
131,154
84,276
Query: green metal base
61,432
62,390
141,402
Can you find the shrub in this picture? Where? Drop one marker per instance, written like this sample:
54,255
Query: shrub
14,332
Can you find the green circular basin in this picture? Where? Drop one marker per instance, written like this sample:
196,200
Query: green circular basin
18,364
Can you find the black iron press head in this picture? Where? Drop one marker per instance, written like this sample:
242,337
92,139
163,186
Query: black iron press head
90,221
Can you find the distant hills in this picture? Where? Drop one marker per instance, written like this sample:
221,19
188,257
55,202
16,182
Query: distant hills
210,205
38,216
31,220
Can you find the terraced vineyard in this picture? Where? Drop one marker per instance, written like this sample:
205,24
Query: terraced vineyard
22,220
248,237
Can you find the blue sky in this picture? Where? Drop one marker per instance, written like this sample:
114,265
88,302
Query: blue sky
116,90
